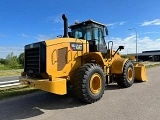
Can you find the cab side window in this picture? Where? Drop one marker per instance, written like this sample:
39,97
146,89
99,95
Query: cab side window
78,34
88,35
98,36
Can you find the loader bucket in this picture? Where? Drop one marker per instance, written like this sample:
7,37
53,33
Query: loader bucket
140,72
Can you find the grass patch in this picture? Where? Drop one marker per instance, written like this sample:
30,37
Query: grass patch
151,66
6,67
8,71
13,72
16,91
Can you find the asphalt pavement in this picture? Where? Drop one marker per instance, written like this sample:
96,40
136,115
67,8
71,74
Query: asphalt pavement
139,102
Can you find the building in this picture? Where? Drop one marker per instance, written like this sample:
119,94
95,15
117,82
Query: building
153,55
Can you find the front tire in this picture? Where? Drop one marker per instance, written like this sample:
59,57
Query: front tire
127,78
89,83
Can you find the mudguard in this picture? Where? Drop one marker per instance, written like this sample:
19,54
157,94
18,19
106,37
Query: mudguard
117,66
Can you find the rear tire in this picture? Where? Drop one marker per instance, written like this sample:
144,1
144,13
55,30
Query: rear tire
89,83
127,78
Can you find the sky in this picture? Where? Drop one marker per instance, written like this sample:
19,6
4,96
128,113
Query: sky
28,21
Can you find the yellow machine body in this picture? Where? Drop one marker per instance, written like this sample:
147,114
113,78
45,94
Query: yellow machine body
140,72
56,61
58,86
62,62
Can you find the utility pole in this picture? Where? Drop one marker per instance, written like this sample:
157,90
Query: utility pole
136,43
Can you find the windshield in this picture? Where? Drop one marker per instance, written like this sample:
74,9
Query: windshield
82,34
93,33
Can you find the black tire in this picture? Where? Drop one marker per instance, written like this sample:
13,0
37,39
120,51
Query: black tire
89,83
127,78
69,89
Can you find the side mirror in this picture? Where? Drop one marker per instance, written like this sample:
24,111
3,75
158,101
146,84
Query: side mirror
121,48
106,30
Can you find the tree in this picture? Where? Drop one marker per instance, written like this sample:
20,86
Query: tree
2,61
21,59
12,61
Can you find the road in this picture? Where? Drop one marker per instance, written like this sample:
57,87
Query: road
3,79
139,102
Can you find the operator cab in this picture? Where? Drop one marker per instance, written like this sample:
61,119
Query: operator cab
93,32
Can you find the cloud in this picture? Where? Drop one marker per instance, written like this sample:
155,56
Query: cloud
55,19
150,33
24,35
122,23
42,37
149,23
117,23
144,44
4,51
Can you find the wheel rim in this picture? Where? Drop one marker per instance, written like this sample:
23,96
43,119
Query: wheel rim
130,74
95,83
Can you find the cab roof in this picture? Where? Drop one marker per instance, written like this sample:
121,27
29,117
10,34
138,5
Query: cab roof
86,23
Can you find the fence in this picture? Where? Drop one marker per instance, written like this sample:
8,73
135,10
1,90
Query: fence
9,83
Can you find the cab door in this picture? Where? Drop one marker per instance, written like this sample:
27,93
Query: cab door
99,40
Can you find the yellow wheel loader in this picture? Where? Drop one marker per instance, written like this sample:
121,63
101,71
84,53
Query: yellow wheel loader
79,61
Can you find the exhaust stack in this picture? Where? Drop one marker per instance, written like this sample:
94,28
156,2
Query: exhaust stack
65,26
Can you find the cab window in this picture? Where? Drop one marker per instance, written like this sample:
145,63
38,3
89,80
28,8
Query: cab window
88,35
77,34
98,36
